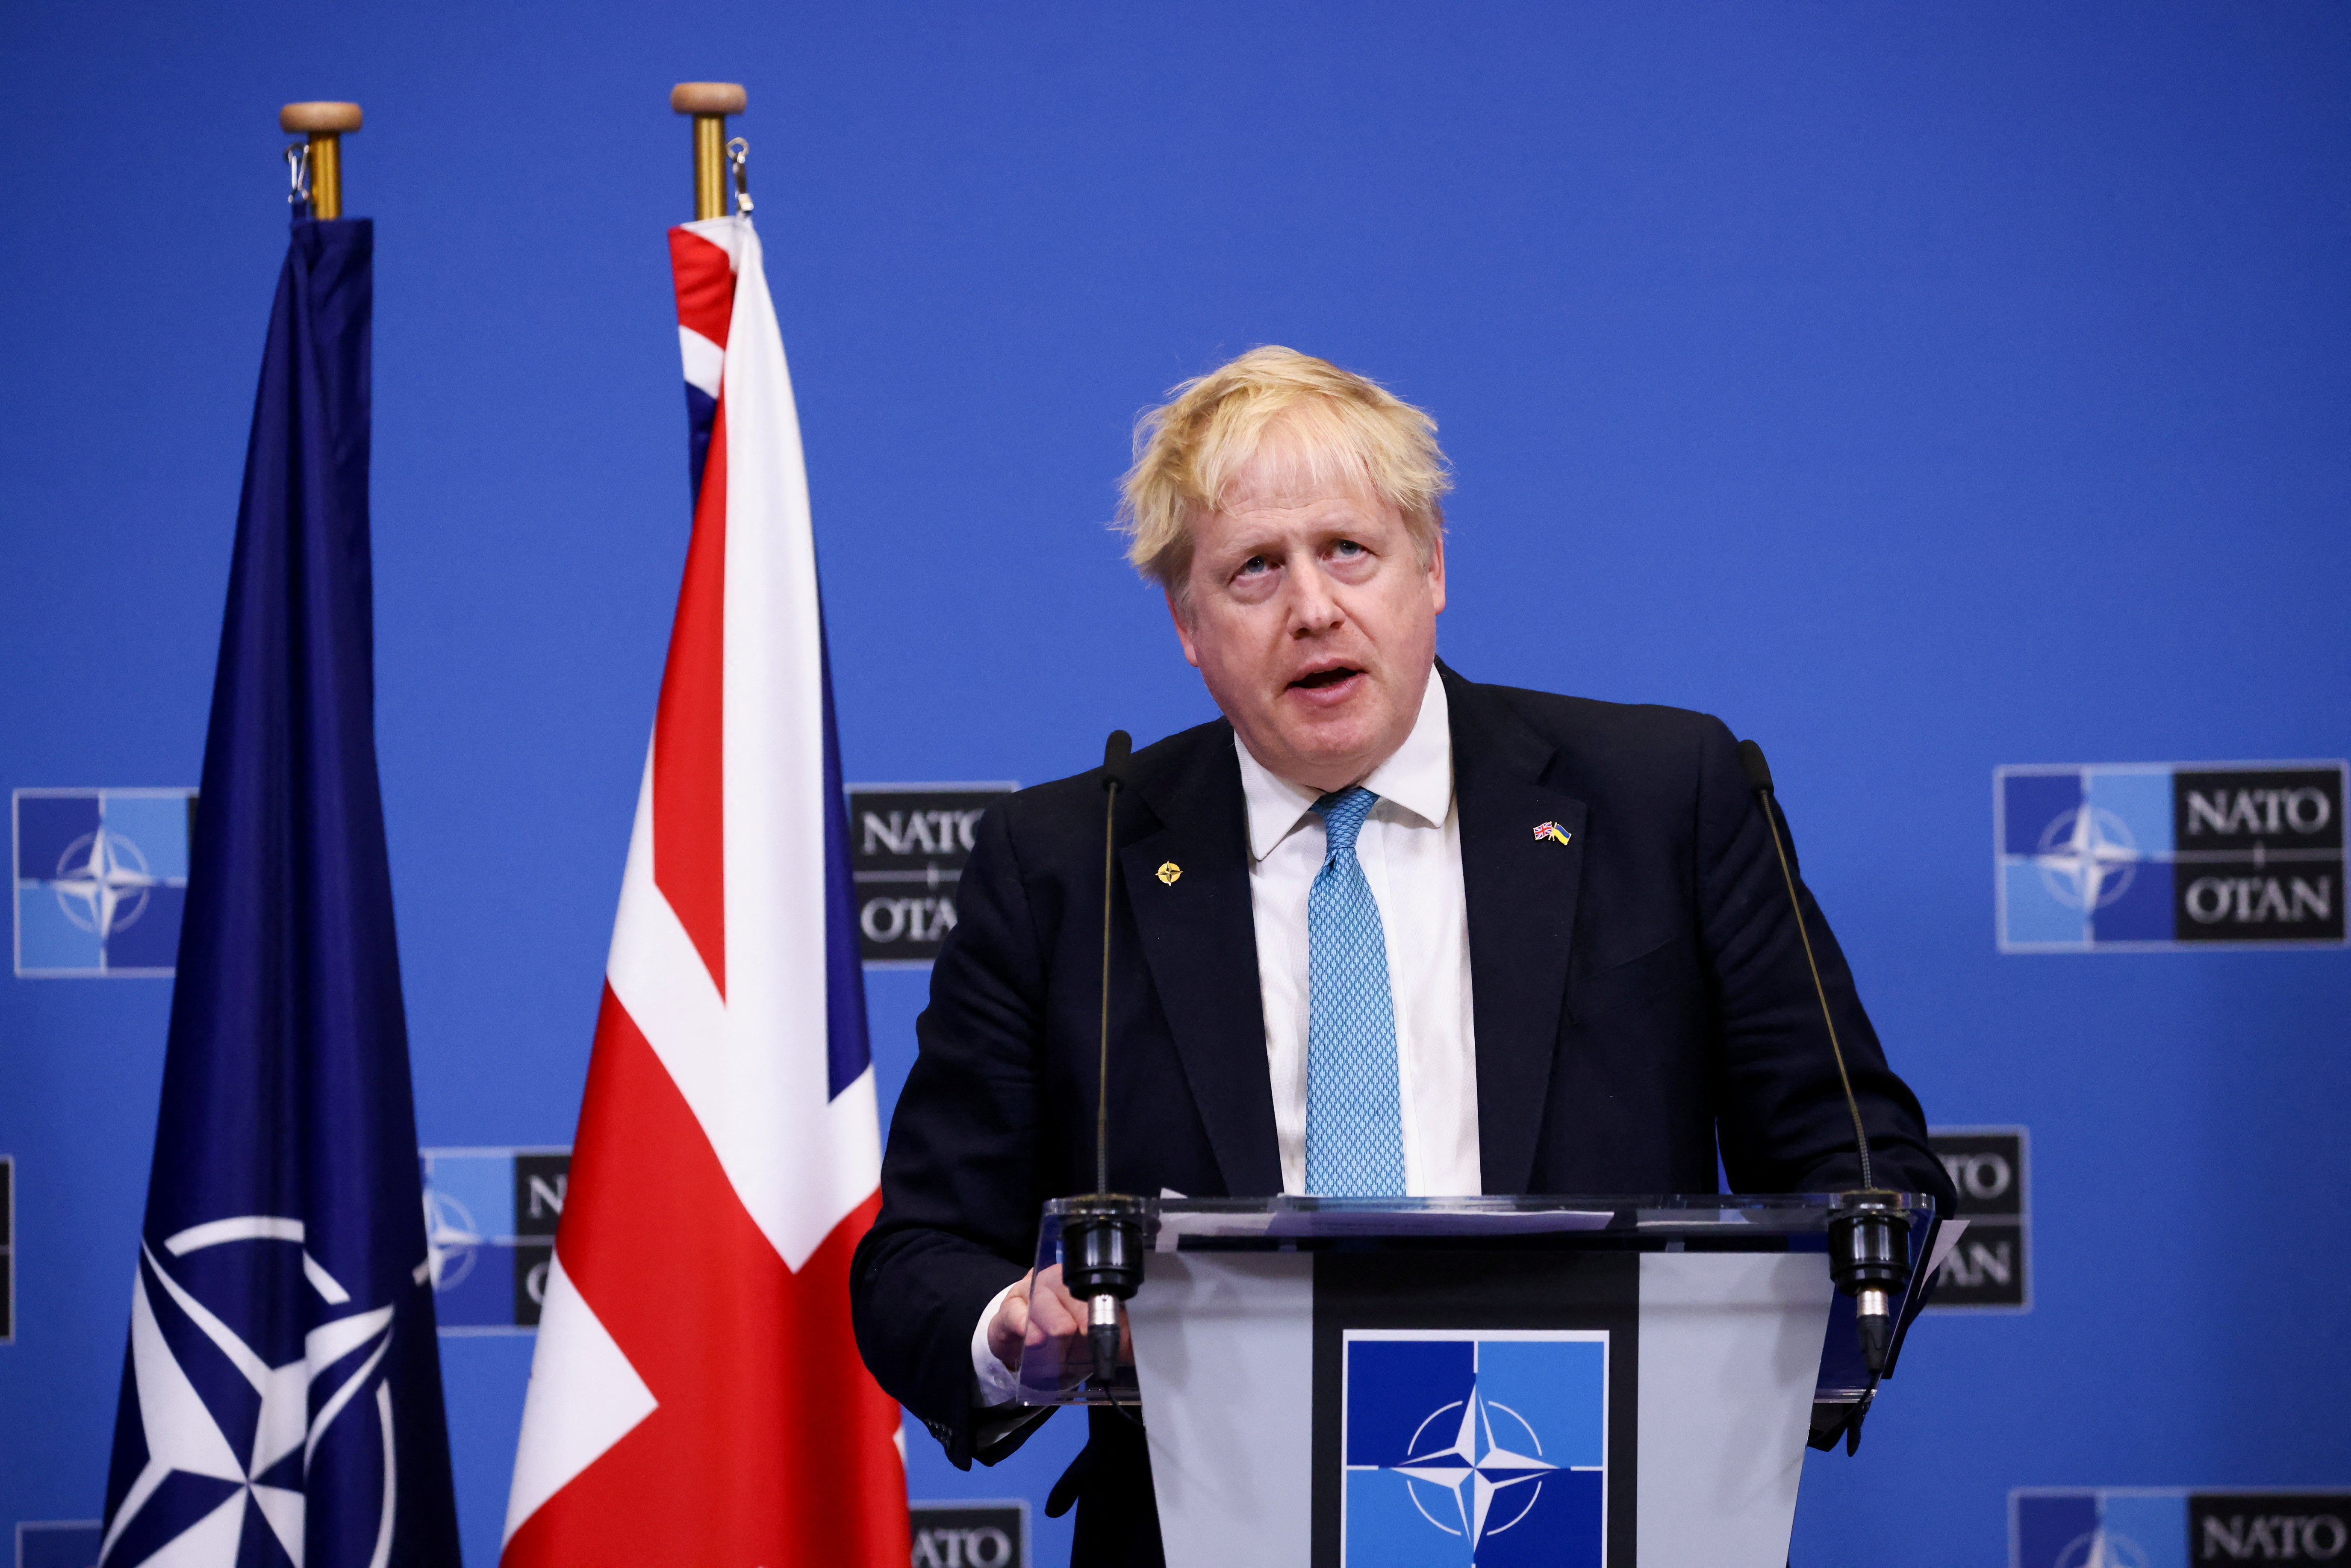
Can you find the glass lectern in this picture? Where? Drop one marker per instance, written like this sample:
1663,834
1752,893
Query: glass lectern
1622,1379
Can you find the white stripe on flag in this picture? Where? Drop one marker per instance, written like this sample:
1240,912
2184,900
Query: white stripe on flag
800,1160
705,361
729,1076
584,1398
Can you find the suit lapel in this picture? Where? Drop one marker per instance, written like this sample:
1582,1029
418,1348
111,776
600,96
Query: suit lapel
1199,938
1521,895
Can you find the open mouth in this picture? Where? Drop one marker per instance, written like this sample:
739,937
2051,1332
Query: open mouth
1322,678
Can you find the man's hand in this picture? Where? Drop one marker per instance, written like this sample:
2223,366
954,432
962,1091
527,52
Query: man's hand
1040,1309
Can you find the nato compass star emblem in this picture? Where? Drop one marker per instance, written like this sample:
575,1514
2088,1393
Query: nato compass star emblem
2102,1548
452,1240
1454,1453
2087,857
234,1397
1460,1446
102,882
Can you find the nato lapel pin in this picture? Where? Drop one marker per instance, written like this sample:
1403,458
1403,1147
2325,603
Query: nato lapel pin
1553,831
1168,872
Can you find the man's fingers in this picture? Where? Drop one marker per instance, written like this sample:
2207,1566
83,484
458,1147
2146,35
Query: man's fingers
1009,1328
1049,1306
1049,1318
1053,1312
1050,1313
1006,1332
1048,1283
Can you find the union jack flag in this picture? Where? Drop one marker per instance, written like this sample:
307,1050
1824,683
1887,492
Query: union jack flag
696,1396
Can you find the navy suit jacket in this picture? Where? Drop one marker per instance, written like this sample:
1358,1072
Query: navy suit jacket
1640,995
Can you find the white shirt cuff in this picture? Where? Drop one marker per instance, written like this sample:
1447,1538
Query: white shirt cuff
996,1385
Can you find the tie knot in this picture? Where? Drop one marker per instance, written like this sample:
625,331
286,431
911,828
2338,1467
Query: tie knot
1343,813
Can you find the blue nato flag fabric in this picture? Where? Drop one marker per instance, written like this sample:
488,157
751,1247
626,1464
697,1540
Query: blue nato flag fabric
281,1397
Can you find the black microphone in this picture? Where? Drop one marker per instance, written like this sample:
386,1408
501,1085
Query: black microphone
1869,1250
1102,1245
1117,752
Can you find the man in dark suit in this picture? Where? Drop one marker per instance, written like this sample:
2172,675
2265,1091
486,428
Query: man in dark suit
1378,930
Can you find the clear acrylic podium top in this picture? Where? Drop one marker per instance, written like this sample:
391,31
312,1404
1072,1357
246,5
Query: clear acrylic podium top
1704,1222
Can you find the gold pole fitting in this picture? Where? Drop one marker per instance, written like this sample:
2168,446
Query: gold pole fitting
325,124
710,102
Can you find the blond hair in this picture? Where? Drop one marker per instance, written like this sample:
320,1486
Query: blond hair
1341,428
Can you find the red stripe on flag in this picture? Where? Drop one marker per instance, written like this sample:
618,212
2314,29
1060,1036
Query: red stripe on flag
772,1444
706,285
690,730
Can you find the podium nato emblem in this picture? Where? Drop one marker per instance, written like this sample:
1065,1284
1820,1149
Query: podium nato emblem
1480,1446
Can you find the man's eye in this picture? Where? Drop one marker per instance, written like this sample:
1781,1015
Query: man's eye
1255,563
1346,548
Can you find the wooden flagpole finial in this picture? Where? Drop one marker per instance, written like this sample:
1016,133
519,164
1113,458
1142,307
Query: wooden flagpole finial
325,124
710,102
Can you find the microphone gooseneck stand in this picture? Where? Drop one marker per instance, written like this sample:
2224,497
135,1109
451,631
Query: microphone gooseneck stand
1869,1244
1101,1241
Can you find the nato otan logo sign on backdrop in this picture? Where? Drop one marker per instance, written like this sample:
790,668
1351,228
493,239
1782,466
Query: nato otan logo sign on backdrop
971,1534
102,877
907,843
1989,1268
2139,1527
2118,856
1475,1447
489,1231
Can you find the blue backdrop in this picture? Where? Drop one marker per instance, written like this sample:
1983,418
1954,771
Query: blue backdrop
1920,389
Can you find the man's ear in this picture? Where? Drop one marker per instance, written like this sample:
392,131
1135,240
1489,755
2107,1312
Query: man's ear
1175,612
1436,572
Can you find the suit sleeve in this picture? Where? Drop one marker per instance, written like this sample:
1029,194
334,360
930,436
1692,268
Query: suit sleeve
1781,1113
960,1180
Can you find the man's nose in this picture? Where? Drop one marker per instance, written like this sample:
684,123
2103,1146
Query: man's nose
1313,609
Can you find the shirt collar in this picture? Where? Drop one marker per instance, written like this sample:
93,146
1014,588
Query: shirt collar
1418,778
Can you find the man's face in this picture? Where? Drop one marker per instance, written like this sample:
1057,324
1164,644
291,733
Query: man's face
1313,622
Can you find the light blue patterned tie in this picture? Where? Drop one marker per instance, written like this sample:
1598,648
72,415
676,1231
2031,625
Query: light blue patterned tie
1355,1126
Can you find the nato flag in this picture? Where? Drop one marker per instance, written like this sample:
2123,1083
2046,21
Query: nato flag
281,1398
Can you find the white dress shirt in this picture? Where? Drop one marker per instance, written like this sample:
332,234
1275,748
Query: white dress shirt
1410,849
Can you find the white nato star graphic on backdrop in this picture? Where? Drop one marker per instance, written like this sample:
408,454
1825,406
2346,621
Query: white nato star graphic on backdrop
2087,857
1471,1463
2102,1548
105,874
451,1239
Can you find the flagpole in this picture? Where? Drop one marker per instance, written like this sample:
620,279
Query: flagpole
710,102
326,125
